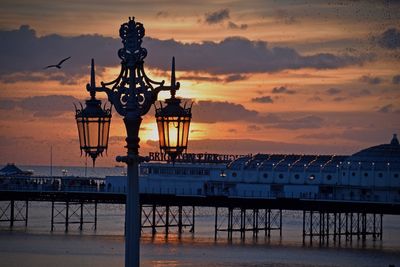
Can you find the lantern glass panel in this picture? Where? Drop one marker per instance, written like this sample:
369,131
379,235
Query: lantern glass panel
173,128
93,126
185,134
161,132
106,130
81,132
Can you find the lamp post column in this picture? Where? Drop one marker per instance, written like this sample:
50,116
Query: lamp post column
132,94
132,208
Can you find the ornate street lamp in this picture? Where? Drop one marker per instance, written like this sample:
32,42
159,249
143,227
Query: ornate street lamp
173,122
132,94
93,123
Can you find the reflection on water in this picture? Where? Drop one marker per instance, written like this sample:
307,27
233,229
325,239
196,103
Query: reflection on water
159,263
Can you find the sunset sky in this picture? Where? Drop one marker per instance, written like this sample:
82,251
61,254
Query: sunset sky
316,77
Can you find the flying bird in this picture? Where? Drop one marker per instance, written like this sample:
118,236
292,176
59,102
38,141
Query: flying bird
58,66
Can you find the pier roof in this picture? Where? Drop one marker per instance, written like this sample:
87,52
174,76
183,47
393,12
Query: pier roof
381,156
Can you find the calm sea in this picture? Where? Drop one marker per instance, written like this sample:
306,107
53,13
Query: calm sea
36,246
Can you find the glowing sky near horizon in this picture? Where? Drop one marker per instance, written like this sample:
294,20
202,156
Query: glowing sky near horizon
266,76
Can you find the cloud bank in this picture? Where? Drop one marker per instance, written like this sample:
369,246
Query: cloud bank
42,106
215,111
27,53
390,39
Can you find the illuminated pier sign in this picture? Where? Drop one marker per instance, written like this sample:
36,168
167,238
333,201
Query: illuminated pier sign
196,157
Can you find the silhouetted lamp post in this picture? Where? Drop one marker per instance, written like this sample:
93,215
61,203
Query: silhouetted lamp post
132,94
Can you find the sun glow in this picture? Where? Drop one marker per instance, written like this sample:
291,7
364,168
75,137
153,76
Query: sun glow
148,131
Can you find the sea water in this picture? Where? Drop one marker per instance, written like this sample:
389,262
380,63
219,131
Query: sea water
37,246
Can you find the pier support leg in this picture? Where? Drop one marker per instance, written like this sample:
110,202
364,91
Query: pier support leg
26,212
180,219
230,211
242,223
364,226
304,226
374,227
334,227
81,218
351,227
12,213
52,216
95,215
166,220
358,226
216,223
66,215
280,222
153,221
269,222
347,226
311,226
381,232
327,227
340,227
193,219
320,226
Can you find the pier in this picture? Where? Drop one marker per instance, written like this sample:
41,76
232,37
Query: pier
324,220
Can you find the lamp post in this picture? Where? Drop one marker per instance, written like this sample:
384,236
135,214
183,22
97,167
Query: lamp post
132,94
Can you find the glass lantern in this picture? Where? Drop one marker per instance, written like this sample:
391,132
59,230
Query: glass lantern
173,121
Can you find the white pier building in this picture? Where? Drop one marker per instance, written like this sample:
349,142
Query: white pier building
371,174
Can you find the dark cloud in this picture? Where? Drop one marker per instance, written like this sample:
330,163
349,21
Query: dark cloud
7,104
216,16
212,112
370,80
60,76
282,90
239,55
262,99
314,99
360,93
386,109
246,146
283,16
254,127
339,99
26,52
235,26
43,106
339,96
226,79
323,136
235,78
162,14
200,78
333,91
390,39
304,122
370,135
396,79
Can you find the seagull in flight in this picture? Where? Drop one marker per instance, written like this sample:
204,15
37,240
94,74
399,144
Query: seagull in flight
58,66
